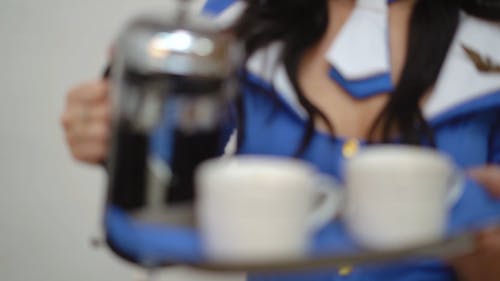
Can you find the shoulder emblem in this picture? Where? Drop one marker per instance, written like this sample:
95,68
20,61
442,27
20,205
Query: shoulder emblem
482,63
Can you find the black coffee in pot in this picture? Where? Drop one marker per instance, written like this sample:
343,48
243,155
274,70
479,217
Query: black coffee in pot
172,84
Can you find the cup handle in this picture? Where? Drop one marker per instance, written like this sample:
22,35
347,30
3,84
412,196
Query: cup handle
328,188
456,189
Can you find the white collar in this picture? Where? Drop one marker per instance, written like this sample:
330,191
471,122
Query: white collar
361,48
265,65
459,80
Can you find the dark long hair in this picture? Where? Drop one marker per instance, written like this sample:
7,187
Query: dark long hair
301,23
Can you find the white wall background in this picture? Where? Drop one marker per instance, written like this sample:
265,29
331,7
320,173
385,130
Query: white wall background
50,206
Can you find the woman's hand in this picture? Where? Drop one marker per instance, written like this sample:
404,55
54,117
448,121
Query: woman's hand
86,121
488,176
484,263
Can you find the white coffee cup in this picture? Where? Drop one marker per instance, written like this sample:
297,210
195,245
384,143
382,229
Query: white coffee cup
261,208
399,196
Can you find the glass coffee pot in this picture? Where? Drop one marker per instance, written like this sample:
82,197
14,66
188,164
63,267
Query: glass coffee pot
173,79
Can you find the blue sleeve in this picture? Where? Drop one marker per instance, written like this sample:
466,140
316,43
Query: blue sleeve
215,7
477,208
495,141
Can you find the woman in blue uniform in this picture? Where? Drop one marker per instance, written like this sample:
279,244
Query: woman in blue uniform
369,71
325,78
